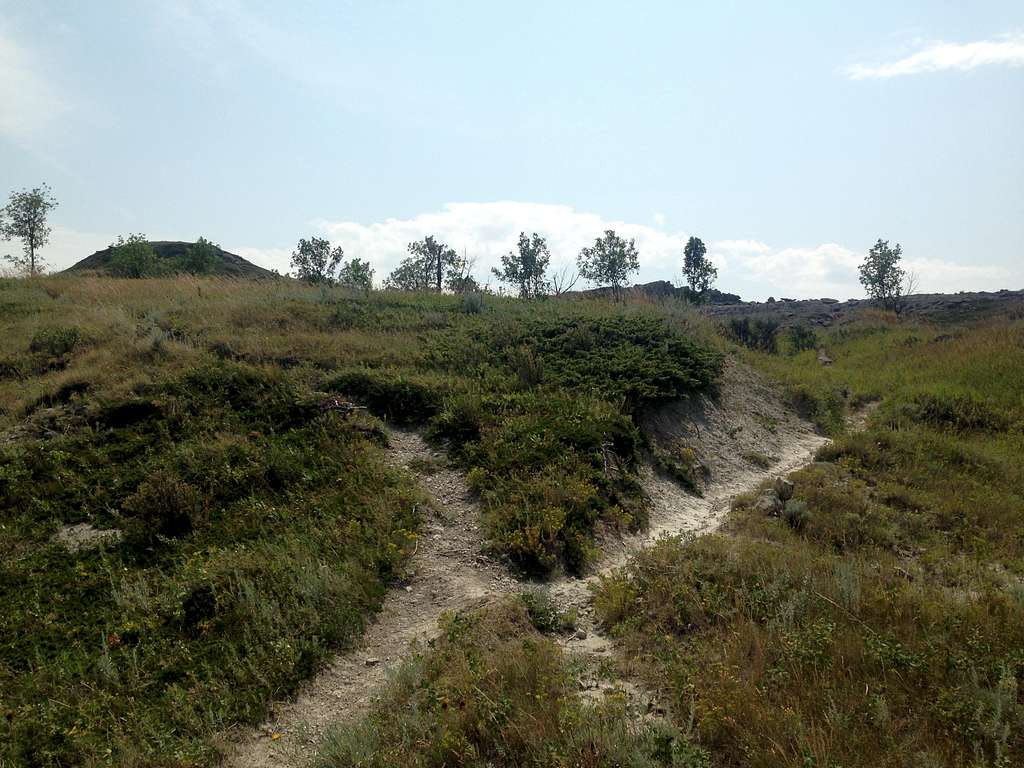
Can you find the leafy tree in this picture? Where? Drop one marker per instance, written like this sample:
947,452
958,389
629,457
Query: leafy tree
437,257
700,272
526,268
609,261
201,257
411,275
881,273
429,266
24,218
133,257
315,261
356,274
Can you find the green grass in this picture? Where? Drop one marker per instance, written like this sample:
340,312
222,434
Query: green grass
258,532
492,691
880,619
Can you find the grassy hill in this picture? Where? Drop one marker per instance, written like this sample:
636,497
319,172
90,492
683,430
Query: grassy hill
172,251
240,528
257,527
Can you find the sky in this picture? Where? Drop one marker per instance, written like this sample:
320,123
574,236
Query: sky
788,136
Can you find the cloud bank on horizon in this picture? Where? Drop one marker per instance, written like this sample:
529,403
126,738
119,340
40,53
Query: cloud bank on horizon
938,56
485,231
751,268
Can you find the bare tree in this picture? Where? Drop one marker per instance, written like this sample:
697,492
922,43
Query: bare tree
564,279
460,277
910,285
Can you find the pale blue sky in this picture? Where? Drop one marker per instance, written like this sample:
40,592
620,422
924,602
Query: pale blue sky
789,136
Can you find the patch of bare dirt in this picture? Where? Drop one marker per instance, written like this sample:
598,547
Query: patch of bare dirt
748,419
448,572
84,536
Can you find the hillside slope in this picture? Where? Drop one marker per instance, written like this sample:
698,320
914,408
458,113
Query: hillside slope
228,264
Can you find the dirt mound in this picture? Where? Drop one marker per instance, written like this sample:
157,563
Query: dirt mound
228,264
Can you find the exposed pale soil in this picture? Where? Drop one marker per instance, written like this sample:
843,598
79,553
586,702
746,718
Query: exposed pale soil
449,571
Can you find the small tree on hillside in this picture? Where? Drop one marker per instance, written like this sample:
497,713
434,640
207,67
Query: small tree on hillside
437,258
429,266
356,274
315,261
410,275
24,218
609,261
700,272
200,258
133,257
526,268
881,273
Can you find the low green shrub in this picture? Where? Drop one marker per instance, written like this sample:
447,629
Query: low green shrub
758,333
56,341
958,412
545,614
801,338
390,394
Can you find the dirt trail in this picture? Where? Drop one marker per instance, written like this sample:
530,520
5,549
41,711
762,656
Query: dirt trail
673,511
448,572
743,436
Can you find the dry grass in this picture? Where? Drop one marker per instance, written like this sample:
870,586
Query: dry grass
879,621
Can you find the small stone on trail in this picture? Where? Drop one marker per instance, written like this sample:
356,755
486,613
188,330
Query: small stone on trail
581,634
372,662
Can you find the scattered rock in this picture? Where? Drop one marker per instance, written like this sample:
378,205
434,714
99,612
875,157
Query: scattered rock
581,634
823,357
784,488
768,503
372,661
75,538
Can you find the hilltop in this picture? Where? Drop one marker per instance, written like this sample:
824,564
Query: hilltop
228,264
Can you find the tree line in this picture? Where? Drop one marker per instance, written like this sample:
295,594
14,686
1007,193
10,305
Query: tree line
431,265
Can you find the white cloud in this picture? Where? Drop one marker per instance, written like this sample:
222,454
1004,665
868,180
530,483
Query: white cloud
757,270
28,101
751,268
938,56
486,231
